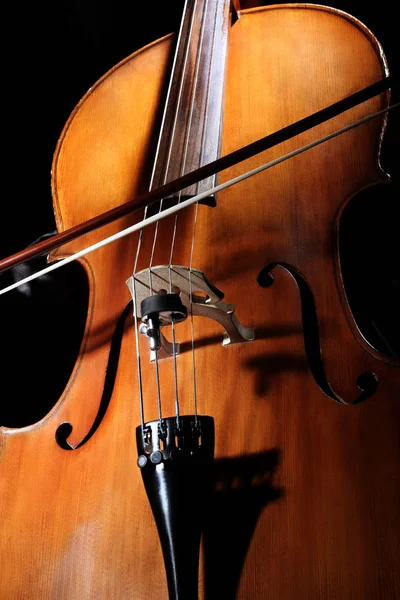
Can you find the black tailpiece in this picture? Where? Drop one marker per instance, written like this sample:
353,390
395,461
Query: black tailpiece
176,457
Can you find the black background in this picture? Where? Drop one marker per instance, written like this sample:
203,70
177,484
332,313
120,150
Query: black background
52,53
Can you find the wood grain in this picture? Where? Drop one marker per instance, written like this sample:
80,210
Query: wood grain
306,501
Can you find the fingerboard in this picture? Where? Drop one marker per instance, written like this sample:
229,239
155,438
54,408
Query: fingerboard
190,133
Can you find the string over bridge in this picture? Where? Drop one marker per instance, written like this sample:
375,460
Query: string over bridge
196,293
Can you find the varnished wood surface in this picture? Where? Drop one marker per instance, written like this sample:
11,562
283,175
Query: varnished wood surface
322,491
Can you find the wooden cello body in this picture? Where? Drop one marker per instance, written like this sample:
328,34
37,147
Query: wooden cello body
305,499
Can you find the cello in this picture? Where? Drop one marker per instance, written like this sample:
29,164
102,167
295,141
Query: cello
292,472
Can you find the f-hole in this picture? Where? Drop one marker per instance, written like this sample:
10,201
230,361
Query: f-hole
366,382
65,429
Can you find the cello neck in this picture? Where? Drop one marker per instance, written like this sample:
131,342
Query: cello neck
191,125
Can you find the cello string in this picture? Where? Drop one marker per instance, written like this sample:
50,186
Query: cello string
183,165
137,344
187,136
191,318
138,358
174,127
185,203
194,371
155,237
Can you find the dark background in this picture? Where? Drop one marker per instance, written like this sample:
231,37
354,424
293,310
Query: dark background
54,51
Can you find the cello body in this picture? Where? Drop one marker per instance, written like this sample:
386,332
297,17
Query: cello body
305,501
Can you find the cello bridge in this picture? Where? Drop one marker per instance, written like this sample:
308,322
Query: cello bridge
197,295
